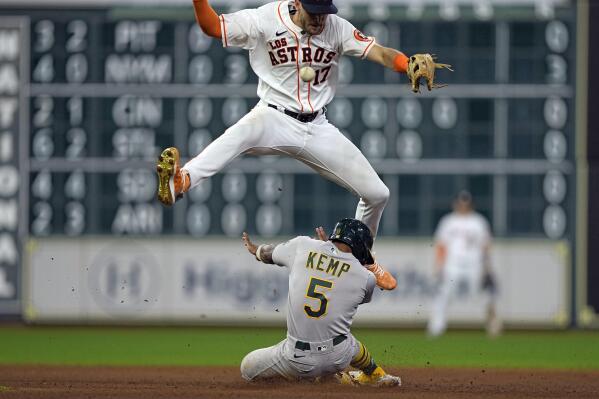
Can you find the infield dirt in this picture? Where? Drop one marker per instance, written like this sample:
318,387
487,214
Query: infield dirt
225,382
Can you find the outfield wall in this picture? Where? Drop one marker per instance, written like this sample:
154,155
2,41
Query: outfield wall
217,282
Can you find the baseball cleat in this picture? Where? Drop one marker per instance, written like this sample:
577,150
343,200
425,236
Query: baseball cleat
344,378
379,378
171,181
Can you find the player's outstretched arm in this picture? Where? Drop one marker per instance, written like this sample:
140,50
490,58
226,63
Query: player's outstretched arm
207,18
417,66
389,58
440,256
262,252
384,279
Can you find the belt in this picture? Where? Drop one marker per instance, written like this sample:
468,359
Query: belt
305,346
300,117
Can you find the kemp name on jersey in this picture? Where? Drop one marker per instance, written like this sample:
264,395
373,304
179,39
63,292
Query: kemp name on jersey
318,261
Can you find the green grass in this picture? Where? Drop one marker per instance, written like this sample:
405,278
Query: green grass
227,346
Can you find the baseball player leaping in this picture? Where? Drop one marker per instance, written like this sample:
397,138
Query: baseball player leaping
327,282
294,48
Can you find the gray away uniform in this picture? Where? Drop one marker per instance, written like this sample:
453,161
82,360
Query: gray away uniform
325,288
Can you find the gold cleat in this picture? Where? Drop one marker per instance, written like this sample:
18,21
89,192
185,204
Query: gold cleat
344,378
170,179
379,378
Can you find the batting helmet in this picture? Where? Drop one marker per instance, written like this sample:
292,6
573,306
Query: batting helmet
358,236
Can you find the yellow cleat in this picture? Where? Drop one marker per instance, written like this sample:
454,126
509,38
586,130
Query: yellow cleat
171,182
344,378
377,379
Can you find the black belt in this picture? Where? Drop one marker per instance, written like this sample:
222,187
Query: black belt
300,117
304,346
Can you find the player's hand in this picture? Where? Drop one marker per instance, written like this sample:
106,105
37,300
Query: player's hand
384,279
251,247
321,234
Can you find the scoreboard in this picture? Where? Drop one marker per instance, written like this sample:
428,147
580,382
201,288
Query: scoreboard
89,95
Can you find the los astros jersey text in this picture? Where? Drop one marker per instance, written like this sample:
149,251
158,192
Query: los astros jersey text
278,49
282,53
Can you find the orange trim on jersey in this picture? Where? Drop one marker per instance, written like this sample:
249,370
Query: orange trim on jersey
296,58
310,83
222,18
366,49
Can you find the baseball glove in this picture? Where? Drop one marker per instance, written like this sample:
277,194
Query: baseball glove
488,283
424,66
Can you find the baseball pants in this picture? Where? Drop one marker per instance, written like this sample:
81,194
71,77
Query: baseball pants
284,360
452,280
318,144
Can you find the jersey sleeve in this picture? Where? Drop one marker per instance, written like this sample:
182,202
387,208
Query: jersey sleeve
354,42
370,284
284,253
442,230
240,29
486,229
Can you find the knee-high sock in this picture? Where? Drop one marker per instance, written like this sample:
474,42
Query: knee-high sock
363,360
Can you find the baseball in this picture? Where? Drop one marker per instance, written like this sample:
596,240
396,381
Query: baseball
307,74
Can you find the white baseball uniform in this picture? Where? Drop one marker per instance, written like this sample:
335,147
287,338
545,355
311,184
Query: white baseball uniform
325,288
465,237
277,50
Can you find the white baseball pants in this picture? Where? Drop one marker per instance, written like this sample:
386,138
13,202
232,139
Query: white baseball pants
318,144
451,281
284,360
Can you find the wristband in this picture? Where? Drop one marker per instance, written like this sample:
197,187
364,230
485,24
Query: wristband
258,255
400,63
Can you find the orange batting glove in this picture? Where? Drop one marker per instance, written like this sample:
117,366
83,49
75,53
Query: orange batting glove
384,279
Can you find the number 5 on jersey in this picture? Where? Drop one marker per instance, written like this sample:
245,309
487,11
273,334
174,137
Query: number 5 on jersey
312,293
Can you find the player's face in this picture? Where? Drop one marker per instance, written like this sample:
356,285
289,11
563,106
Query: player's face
462,206
312,23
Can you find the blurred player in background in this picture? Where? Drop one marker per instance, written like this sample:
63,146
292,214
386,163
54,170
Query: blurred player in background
294,49
328,280
463,262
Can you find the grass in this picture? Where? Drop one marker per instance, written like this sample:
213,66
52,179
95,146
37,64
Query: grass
227,346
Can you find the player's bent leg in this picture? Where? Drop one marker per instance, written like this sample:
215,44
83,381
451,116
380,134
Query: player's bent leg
368,372
260,132
372,203
172,180
263,363
336,158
